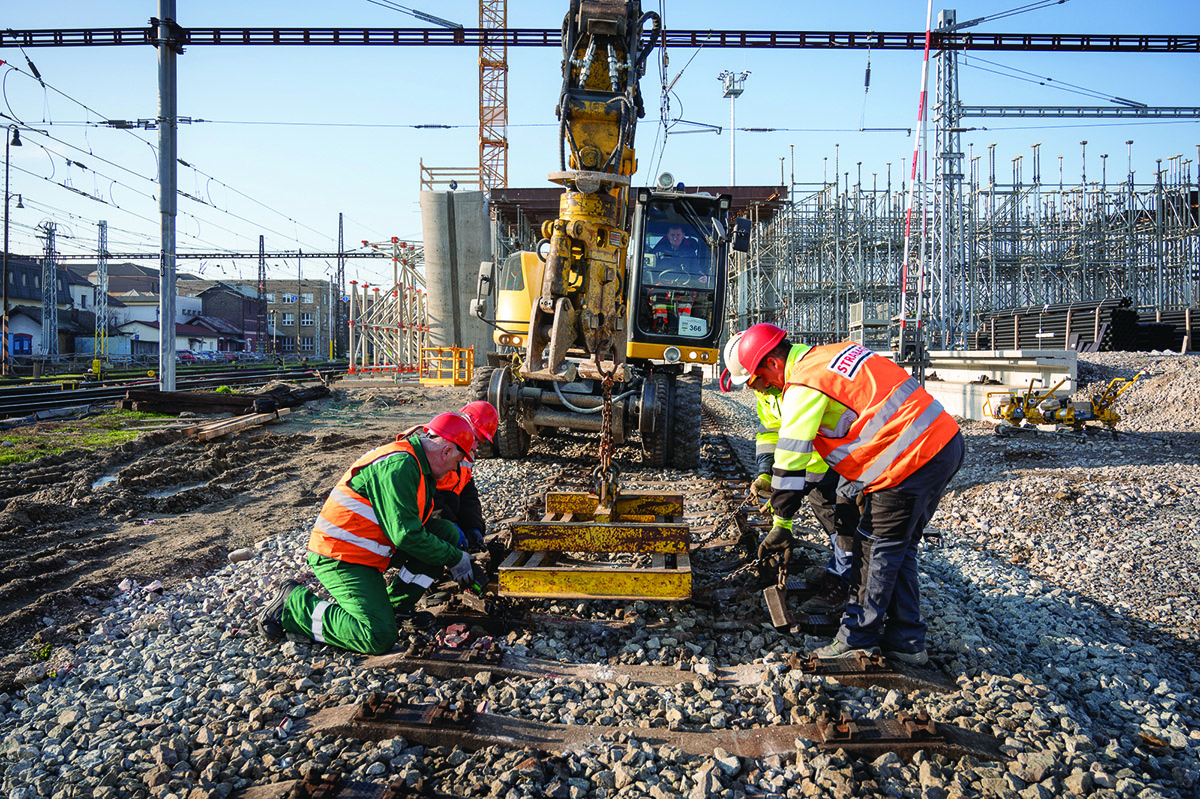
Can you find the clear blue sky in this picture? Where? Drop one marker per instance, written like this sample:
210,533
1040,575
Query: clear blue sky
354,152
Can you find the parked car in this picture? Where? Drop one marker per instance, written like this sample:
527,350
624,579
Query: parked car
185,356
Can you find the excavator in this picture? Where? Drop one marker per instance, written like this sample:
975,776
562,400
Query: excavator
604,327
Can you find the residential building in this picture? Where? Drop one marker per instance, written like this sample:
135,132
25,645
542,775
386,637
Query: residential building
76,299
134,277
144,337
295,315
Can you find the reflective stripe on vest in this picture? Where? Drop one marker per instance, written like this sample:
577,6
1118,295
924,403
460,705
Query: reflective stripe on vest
897,426
348,529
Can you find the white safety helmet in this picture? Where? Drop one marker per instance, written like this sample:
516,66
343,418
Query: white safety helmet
735,375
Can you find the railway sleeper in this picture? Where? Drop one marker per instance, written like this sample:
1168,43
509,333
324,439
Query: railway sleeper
317,785
383,717
448,662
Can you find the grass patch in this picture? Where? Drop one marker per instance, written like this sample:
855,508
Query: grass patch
107,429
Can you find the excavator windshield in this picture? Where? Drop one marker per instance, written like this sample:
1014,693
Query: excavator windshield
680,270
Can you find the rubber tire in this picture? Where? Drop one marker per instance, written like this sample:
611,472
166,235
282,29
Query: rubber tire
685,423
479,391
512,442
654,445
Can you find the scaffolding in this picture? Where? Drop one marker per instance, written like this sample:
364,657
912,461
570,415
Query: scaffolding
1020,242
388,328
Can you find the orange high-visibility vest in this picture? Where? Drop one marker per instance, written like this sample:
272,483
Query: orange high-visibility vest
899,425
456,480
347,529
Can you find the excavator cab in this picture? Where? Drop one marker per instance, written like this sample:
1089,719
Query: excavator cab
677,276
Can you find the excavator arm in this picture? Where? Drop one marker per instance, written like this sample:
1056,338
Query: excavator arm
581,307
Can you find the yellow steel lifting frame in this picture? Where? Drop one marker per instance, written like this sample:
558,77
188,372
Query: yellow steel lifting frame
576,522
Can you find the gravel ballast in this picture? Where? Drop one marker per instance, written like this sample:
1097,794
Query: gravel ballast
1062,599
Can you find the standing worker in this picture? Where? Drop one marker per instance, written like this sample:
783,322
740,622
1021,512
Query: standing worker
379,514
837,516
457,498
872,423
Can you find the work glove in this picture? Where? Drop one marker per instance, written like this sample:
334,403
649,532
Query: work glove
779,540
462,571
474,540
462,539
762,486
479,580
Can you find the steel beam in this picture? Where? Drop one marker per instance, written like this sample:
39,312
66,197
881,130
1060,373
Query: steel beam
541,575
540,37
1081,111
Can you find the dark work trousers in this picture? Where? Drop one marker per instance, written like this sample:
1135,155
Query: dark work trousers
885,597
838,517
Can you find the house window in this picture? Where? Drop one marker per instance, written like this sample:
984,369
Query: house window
306,344
82,300
287,344
306,320
306,298
22,344
270,296
289,320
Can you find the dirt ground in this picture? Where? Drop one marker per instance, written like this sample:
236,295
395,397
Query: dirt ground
168,507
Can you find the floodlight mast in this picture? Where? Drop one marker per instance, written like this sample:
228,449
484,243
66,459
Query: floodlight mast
733,84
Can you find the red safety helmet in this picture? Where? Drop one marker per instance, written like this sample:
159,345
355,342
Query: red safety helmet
483,417
757,342
453,428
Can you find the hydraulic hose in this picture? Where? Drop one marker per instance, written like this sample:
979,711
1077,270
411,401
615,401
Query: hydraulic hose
598,408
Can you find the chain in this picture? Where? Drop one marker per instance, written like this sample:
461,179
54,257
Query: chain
606,443
606,474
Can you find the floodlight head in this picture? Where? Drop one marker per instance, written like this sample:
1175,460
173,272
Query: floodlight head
16,137
665,181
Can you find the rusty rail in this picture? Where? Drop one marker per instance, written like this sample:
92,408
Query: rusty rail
440,725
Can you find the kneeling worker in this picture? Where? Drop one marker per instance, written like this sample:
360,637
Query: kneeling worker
873,424
382,507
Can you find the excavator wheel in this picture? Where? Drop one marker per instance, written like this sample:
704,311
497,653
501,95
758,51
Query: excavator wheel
511,439
656,442
685,423
479,391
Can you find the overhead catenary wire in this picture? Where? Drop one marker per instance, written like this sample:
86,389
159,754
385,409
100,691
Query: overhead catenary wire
1039,80
153,181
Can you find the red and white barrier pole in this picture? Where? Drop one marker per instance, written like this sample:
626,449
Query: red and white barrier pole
918,147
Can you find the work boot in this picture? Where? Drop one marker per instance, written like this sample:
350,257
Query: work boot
270,622
415,620
815,574
830,599
837,649
913,658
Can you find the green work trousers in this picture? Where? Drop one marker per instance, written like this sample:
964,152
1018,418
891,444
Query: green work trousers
362,616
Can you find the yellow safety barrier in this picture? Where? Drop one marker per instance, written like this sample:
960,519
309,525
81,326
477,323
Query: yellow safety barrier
447,366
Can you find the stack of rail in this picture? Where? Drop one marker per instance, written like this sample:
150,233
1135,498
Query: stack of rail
1168,330
1097,326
